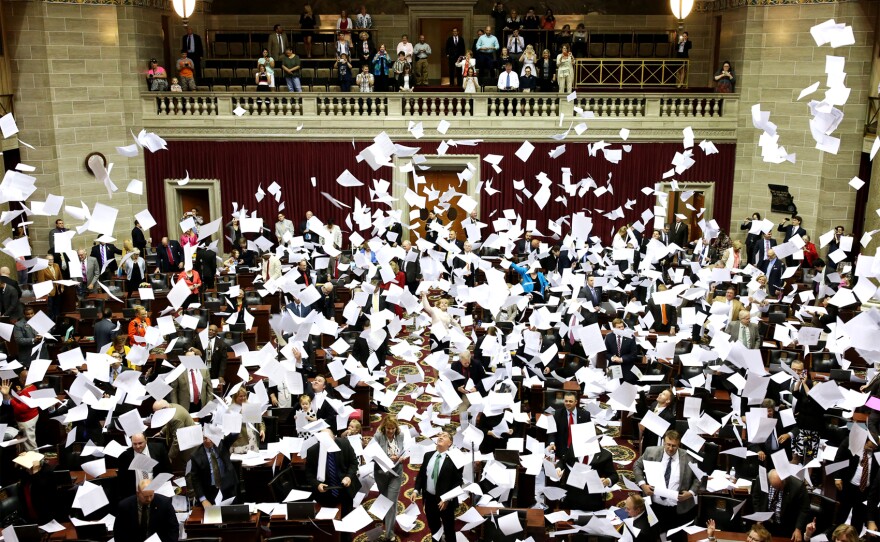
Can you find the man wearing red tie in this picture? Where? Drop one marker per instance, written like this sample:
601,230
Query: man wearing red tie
566,416
302,271
192,389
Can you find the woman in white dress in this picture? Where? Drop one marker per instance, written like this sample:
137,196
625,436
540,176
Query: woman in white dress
471,84
440,320
466,63
250,437
528,59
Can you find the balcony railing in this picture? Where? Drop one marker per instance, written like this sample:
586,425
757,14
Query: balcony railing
631,72
224,113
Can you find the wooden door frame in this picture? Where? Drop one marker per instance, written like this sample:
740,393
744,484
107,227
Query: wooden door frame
173,207
708,190
459,162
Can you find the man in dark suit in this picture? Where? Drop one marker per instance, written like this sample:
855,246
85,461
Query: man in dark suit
761,247
192,389
789,501
779,439
302,274
467,261
361,349
468,371
298,309
128,478
580,498
678,233
61,258
566,416
773,268
144,514
106,254
523,246
854,482
789,231
591,293
10,296
192,44
26,338
678,477
622,350
439,475
455,49
138,239
568,259
410,266
206,263
431,235
394,234
169,256
635,509
216,355
327,303
665,316
104,328
338,483
206,461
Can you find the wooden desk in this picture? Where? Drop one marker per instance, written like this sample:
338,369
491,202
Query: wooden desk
534,519
725,536
320,530
248,531
80,476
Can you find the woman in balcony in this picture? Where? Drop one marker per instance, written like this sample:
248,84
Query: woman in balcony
549,22
268,61
471,84
546,72
343,68
579,41
466,64
564,37
365,80
307,23
725,79
406,81
381,66
528,59
265,80
344,26
565,70
157,76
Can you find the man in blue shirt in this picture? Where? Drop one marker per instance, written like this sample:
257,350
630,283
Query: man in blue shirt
487,46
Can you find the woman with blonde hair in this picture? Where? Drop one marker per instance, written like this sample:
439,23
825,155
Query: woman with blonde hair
250,436
528,59
390,440
734,258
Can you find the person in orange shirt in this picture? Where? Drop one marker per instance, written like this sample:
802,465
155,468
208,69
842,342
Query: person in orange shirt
138,326
185,69
194,282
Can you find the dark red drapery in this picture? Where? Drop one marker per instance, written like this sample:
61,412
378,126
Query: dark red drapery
241,166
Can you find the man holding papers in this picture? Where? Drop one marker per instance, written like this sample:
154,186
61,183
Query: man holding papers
152,458
437,476
789,502
212,473
145,514
332,472
570,414
665,475
599,467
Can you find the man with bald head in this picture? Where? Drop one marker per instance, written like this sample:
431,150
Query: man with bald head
179,420
410,266
144,514
773,268
130,474
790,503
169,256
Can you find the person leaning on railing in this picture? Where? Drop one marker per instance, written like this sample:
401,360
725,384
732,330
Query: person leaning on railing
157,77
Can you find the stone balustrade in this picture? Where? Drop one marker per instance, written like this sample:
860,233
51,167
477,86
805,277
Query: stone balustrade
489,115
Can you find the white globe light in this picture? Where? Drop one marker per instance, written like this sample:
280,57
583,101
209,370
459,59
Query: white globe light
680,8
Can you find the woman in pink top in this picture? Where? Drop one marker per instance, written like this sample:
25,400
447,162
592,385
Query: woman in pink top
193,281
189,238
157,77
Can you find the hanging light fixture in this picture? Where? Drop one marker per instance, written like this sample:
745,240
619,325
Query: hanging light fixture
680,9
185,8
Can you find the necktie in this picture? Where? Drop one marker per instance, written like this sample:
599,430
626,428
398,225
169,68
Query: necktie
619,344
595,298
85,278
195,397
192,48
865,463
280,45
145,518
332,475
508,80
436,472
774,504
215,466
210,352
306,277
170,255
103,256
664,320
570,423
455,41
571,325
668,474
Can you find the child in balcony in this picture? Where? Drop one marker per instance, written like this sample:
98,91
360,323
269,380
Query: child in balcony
175,86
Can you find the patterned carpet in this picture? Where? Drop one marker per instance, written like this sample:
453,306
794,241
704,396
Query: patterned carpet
624,452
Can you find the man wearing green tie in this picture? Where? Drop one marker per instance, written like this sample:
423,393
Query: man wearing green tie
437,476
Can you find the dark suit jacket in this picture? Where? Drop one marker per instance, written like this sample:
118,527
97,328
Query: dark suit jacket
586,294
671,317
346,465
787,230
582,499
357,50
10,300
477,374
688,481
104,332
627,350
200,51
774,278
24,335
795,503
678,234
162,256
207,266
668,414
163,520
413,269
453,52
219,358
560,417
139,240
125,478
647,532
758,253
450,477
200,471
111,252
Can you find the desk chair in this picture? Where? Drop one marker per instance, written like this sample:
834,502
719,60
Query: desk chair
720,509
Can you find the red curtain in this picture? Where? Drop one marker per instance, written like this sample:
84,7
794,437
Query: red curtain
241,166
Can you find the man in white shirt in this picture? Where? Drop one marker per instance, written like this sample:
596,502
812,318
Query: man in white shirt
281,227
438,476
508,81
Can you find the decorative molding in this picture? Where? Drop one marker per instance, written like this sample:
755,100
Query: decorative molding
707,6
165,5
